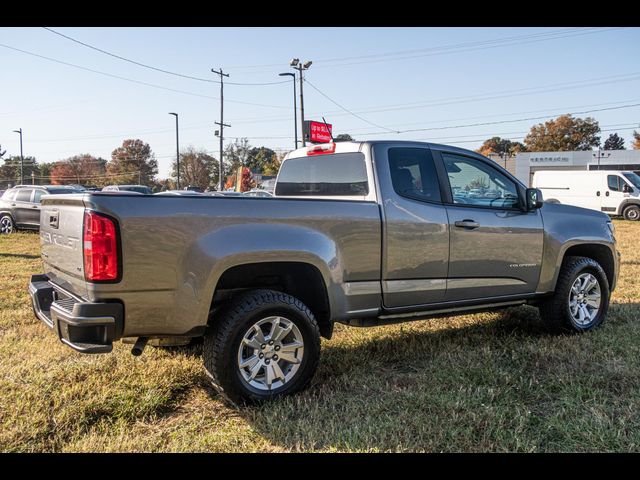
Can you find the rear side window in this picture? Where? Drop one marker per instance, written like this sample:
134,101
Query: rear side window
24,195
9,195
342,174
413,173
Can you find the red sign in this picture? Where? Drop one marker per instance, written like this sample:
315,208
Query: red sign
317,132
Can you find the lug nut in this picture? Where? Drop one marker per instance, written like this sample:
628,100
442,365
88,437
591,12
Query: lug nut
271,342
261,355
275,357
263,346
267,361
277,348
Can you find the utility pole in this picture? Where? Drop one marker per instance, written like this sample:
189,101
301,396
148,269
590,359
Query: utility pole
21,158
295,108
222,125
295,63
177,151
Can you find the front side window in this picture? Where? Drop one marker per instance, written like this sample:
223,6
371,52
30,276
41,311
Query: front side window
614,184
475,183
413,174
24,195
341,174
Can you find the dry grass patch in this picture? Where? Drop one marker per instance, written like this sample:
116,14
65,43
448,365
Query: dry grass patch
485,382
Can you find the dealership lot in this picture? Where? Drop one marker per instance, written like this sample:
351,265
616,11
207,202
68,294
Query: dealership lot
485,382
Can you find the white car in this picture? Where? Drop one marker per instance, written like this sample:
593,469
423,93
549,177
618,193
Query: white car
611,192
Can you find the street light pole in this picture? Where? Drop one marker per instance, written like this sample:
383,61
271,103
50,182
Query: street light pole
295,108
21,158
177,151
599,156
295,63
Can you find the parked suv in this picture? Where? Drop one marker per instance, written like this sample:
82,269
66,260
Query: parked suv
20,206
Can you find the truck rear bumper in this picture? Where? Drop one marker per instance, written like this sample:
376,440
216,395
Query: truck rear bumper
84,326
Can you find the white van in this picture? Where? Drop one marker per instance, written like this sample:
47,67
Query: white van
612,192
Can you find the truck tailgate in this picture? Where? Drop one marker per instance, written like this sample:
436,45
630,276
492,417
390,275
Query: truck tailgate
61,223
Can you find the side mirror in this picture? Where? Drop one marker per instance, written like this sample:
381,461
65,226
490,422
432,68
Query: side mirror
626,188
534,199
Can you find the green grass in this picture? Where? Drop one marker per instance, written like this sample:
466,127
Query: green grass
485,382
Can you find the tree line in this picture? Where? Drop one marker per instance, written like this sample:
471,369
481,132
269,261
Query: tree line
135,163
565,133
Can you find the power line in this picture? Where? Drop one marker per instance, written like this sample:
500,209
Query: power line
152,67
507,121
132,80
345,109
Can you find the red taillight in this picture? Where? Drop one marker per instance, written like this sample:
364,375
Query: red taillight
321,149
100,248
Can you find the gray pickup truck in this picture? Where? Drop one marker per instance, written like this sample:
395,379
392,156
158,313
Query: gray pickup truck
358,233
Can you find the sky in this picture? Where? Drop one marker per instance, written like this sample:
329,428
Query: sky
457,86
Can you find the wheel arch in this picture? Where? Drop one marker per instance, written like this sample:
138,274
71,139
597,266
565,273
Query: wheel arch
302,280
598,252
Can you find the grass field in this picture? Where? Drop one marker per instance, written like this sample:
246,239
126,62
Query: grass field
485,382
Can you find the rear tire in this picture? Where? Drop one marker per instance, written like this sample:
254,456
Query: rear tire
632,212
581,298
263,344
7,225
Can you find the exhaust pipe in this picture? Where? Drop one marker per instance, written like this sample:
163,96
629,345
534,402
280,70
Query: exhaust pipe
138,347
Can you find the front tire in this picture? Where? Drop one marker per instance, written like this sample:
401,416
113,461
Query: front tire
581,299
632,212
263,344
6,224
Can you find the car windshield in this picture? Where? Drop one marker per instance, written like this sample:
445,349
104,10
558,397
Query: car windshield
633,178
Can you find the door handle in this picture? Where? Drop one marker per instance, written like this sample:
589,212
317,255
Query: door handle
35,206
470,224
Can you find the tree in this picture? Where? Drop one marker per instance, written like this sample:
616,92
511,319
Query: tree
10,170
264,160
344,137
237,153
565,133
614,142
44,170
636,140
197,168
133,162
83,169
500,146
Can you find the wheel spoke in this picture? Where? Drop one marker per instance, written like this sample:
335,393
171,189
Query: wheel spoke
259,335
255,370
277,371
250,362
290,347
282,332
253,342
289,357
275,329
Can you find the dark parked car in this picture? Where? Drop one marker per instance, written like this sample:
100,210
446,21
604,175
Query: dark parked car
20,206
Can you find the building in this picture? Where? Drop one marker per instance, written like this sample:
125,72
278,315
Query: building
523,165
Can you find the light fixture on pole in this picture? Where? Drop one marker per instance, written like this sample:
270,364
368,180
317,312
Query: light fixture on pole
177,151
21,158
295,63
295,114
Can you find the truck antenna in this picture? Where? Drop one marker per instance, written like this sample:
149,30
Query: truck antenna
328,129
